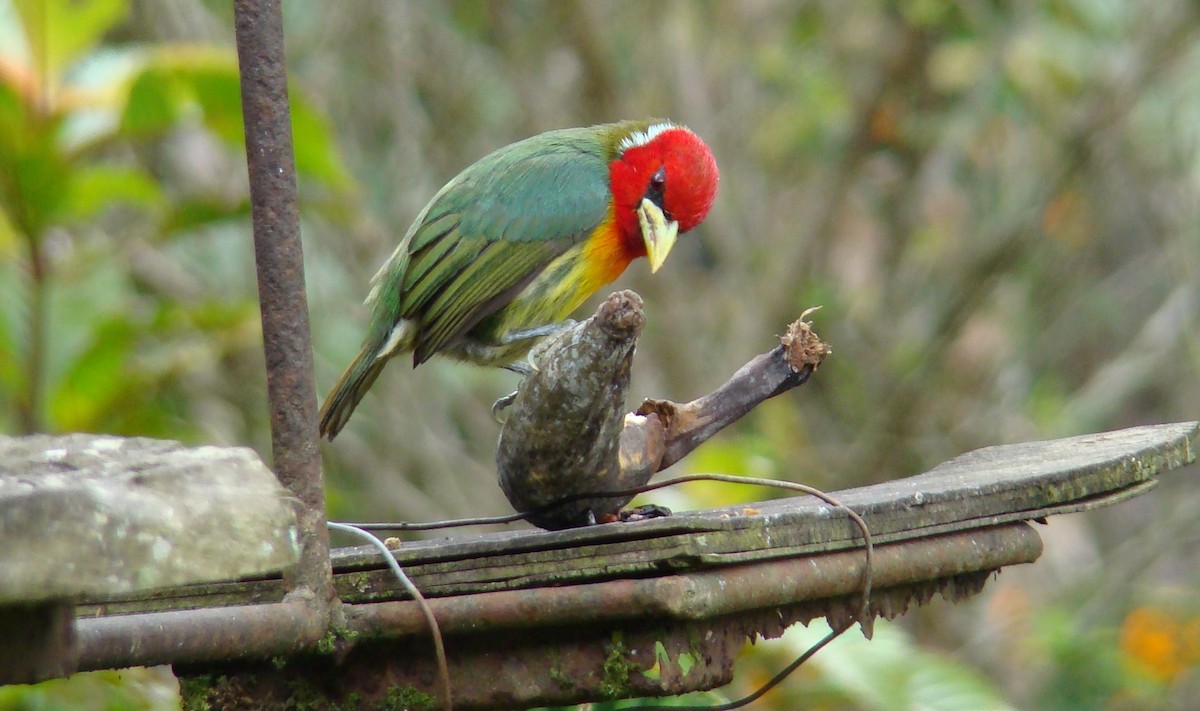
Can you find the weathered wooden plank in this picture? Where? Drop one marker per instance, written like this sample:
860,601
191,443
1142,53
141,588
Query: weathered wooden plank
717,575
989,481
985,488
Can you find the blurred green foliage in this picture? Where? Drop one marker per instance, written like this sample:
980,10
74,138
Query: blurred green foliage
995,203
138,689
888,673
114,299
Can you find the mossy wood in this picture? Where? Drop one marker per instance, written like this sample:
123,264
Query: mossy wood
983,488
663,607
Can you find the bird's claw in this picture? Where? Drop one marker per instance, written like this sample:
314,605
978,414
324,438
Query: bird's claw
549,336
523,369
531,360
502,404
643,512
637,513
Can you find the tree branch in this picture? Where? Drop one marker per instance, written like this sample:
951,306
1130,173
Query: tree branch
567,433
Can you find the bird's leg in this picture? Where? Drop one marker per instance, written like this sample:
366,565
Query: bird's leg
526,368
525,334
505,346
522,369
534,353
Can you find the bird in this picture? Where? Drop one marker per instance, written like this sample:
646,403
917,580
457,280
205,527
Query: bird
508,249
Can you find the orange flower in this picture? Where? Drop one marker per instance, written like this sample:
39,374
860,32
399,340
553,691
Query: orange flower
1160,644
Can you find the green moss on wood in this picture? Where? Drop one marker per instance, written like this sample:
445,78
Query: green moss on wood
335,639
560,678
408,698
194,693
211,693
617,668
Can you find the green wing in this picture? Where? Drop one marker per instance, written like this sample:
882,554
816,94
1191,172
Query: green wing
488,233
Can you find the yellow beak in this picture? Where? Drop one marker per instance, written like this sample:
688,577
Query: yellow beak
658,233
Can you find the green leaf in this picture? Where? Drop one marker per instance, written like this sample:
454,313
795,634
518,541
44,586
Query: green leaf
154,104
98,380
58,32
317,155
9,239
93,189
200,212
135,689
84,295
14,115
11,310
35,195
217,90
204,83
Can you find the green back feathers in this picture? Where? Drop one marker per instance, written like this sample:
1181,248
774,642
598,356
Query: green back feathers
485,236
491,230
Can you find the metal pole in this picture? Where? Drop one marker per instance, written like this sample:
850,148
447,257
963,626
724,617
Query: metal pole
280,262
214,635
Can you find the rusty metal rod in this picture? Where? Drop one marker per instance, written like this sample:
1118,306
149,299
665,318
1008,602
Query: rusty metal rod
257,631
193,636
280,263
710,593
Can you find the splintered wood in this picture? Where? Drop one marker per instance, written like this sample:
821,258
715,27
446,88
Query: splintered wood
804,348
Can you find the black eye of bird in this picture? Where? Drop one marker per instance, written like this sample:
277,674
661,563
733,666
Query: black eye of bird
658,183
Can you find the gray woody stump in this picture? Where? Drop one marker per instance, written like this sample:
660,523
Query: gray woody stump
98,515
567,433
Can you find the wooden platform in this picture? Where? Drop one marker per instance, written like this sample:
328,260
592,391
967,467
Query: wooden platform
524,611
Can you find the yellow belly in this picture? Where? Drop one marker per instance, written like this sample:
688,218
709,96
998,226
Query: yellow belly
551,297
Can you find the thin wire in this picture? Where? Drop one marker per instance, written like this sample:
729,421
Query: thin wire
435,630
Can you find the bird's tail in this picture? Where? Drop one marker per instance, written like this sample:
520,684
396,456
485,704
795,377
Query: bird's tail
349,391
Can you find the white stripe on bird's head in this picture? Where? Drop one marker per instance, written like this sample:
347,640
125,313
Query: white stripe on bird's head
641,138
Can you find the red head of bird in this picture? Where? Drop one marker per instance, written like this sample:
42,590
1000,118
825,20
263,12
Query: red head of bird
664,181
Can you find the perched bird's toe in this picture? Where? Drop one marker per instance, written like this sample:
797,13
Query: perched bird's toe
502,404
641,513
522,369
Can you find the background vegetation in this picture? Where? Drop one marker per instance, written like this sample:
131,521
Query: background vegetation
996,203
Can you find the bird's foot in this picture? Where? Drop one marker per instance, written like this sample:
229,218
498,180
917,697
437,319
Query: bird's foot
543,345
641,513
637,513
542,332
529,366
523,369
502,404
